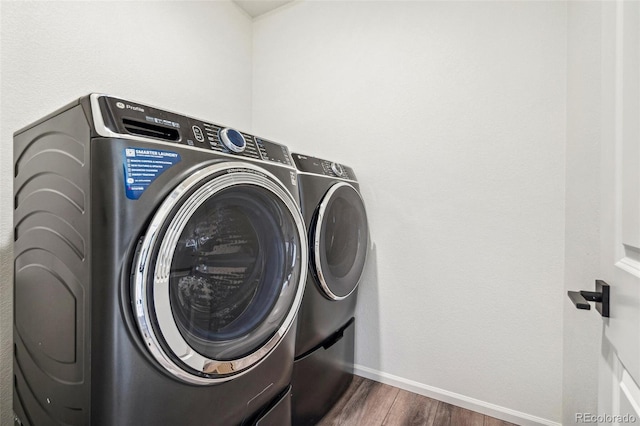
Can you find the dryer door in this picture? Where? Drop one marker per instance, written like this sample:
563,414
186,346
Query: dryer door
340,238
219,274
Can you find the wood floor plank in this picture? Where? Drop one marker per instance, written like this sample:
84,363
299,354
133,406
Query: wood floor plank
381,399
369,405
333,416
375,407
355,403
463,417
492,421
443,414
410,409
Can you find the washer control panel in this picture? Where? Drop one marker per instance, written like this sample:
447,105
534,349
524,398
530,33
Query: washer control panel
308,164
130,118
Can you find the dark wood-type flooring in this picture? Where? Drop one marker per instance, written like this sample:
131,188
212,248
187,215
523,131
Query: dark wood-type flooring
371,403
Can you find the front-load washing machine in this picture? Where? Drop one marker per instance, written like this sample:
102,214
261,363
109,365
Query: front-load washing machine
338,234
159,264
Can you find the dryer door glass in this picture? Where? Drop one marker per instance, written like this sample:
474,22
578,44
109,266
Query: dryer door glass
340,241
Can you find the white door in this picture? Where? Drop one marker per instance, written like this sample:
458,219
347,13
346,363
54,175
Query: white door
619,393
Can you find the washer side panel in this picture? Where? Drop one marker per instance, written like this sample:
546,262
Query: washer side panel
52,268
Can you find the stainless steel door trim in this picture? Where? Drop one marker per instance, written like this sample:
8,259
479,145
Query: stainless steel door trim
317,232
211,370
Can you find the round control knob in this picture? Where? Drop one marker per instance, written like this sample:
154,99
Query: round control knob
233,139
337,169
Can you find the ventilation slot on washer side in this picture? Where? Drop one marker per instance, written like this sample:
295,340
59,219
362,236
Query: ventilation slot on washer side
147,129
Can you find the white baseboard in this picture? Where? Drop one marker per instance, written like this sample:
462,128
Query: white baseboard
453,398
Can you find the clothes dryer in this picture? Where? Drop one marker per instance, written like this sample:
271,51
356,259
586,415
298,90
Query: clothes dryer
159,264
338,235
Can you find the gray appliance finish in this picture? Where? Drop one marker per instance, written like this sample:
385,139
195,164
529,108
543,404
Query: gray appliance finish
338,234
159,265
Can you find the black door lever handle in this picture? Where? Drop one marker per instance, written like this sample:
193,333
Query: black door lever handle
578,300
601,296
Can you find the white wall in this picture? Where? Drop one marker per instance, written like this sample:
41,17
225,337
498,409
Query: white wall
453,116
190,57
583,329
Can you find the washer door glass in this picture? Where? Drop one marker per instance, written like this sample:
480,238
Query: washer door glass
340,241
224,276
228,283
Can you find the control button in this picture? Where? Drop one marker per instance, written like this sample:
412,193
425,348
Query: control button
197,132
233,139
337,169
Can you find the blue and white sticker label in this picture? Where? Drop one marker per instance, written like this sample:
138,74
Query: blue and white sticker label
143,166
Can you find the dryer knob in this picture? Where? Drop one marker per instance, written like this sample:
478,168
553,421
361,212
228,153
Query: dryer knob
337,169
232,139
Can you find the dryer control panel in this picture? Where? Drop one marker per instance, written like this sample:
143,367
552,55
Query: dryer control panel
129,118
308,164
